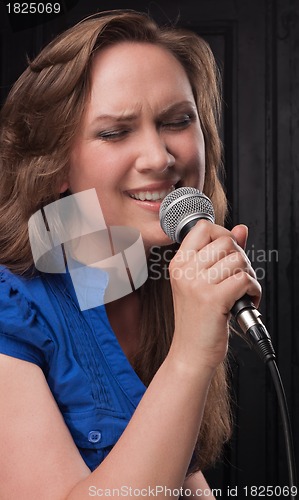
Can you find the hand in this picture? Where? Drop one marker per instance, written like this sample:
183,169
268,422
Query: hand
209,273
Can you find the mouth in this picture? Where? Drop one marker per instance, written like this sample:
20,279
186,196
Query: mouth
151,195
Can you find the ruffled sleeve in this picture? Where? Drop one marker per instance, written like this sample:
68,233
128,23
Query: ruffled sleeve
23,331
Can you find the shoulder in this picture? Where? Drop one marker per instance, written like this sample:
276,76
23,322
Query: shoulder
19,299
24,331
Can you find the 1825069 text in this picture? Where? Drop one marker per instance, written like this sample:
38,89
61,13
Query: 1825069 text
33,8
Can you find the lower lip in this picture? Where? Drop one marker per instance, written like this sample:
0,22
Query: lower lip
152,206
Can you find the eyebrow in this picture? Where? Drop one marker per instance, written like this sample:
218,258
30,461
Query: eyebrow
133,116
178,106
117,118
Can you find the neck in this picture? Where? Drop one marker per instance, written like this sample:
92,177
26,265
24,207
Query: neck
124,318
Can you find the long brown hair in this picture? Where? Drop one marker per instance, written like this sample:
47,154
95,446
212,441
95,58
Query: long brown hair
39,122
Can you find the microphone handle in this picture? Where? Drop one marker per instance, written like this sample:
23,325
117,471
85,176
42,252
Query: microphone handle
249,319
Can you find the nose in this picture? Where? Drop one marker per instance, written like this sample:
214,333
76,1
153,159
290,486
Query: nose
153,154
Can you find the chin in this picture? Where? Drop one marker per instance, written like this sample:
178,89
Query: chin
160,240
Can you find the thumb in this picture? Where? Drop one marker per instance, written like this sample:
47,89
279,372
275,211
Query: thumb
240,233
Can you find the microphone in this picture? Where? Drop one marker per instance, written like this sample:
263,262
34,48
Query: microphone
179,212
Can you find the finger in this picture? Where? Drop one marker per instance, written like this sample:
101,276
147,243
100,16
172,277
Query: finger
203,233
240,233
217,250
228,266
236,286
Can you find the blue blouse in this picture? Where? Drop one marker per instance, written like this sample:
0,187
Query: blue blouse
90,377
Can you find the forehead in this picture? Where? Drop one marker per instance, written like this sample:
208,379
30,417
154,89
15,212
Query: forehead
134,71
135,57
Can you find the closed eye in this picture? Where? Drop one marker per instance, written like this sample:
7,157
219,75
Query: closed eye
180,123
112,135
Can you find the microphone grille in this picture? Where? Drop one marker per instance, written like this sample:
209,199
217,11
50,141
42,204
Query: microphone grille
179,205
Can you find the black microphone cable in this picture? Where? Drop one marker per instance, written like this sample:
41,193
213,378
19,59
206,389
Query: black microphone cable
258,337
286,424
179,212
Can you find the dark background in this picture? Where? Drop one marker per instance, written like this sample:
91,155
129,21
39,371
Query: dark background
256,44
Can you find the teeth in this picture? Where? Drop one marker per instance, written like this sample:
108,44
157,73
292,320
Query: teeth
152,196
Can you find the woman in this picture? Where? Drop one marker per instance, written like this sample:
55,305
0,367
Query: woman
118,105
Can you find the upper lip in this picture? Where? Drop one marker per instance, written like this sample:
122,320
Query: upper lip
158,186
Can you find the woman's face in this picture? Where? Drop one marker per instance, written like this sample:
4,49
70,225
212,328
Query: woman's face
140,136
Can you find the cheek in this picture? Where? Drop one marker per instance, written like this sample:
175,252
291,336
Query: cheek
192,159
202,167
200,153
88,171
99,165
